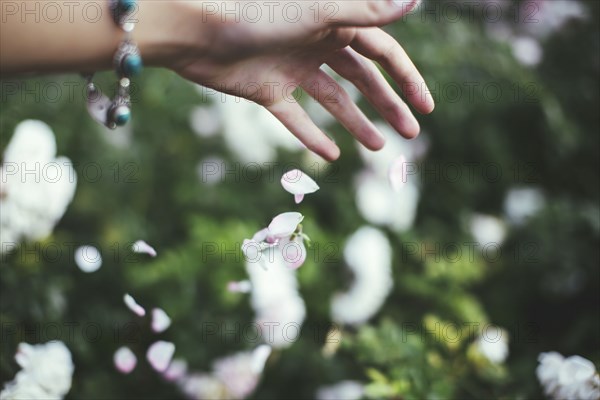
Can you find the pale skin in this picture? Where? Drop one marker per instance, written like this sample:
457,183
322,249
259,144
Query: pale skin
262,60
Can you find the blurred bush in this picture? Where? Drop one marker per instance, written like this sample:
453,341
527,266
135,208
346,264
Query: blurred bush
506,120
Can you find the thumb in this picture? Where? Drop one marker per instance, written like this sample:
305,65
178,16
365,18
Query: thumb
365,12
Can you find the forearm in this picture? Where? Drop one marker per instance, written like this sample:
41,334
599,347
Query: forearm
74,36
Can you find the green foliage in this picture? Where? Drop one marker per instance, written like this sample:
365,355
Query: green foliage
543,289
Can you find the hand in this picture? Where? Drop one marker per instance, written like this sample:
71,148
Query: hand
265,61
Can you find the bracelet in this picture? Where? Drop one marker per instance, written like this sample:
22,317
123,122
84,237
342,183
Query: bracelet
127,62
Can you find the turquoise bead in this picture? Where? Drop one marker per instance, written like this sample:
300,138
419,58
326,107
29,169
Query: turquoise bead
132,65
122,115
127,5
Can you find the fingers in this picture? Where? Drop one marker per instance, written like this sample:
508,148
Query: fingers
336,100
377,45
362,12
369,80
299,123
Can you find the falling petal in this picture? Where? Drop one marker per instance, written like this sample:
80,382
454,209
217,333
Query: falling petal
259,358
159,355
160,320
142,247
124,359
398,173
88,258
285,224
239,287
133,306
176,371
298,183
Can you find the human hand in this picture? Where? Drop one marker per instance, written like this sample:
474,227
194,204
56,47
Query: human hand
266,60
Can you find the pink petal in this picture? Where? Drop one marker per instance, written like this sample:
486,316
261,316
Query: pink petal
160,320
239,287
133,306
142,247
397,173
294,252
285,224
298,198
159,355
297,182
177,370
124,359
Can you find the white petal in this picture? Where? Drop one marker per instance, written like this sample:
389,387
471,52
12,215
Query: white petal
298,198
159,355
88,258
124,359
160,320
397,173
133,306
285,224
142,247
297,182
259,358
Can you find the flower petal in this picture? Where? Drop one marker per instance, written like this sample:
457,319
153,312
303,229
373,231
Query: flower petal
88,259
124,359
133,306
285,224
298,198
160,320
397,173
142,247
297,182
159,355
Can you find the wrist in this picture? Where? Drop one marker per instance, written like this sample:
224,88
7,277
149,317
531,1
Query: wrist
168,32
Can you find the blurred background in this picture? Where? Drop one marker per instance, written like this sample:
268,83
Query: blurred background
495,235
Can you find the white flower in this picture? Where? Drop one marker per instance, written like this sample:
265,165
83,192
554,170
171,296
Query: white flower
252,132
527,50
299,184
378,196
88,258
487,229
523,203
36,187
280,311
206,121
233,377
568,378
493,344
47,370
344,390
368,254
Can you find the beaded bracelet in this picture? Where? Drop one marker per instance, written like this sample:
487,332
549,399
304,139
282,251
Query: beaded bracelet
127,62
